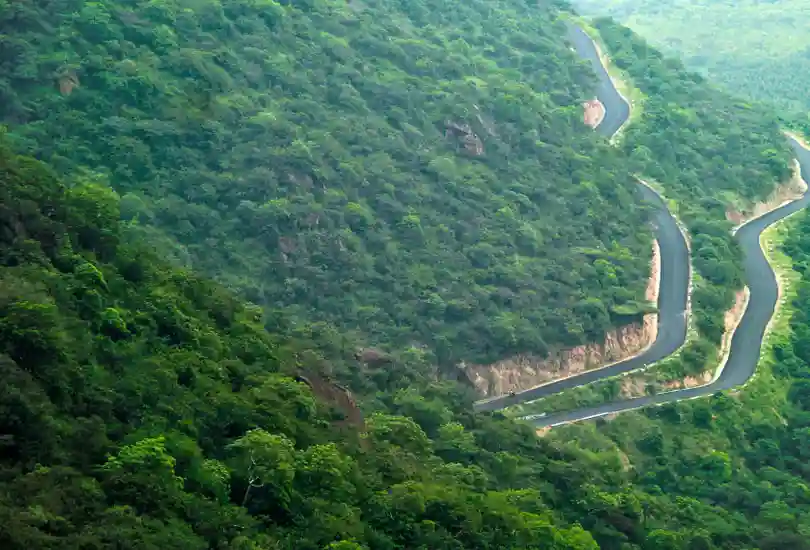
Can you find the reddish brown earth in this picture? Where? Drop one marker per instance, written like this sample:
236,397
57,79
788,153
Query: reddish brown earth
594,113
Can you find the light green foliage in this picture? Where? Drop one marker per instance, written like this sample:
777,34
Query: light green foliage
89,275
267,461
323,470
755,48
215,477
400,431
454,443
344,545
143,474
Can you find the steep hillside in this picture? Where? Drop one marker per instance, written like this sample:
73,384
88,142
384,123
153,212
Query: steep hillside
735,463
393,169
415,173
755,48
145,408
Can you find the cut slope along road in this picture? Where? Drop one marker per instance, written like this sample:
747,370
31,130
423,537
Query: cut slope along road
746,342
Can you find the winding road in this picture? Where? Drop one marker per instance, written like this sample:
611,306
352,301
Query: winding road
673,290
673,293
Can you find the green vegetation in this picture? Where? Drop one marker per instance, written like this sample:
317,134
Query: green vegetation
400,173
620,79
144,408
760,49
707,152
656,378
408,173
737,462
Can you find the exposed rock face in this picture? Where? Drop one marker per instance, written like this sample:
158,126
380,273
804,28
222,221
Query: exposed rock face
527,371
336,396
465,135
633,386
594,113
689,381
732,318
67,83
372,356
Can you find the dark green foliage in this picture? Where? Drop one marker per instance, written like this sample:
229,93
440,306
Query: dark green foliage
413,172
145,408
153,412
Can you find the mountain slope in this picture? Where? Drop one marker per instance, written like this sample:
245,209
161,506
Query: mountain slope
145,408
417,173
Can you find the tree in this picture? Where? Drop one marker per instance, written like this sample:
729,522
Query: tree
266,463
142,475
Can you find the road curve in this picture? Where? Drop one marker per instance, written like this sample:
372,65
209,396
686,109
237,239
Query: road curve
747,339
617,110
746,342
673,290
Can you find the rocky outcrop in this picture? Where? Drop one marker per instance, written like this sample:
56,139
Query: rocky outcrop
372,356
731,321
688,382
68,82
594,113
636,385
336,396
523,372
465,136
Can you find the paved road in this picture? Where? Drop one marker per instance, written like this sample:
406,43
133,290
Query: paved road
746,342
674,286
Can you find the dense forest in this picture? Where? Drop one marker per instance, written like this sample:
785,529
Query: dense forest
401,173
709,152
415,174
146,408
758,49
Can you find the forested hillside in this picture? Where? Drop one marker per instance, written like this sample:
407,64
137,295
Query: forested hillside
401,173
414,173
737,463
145,408
759,49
